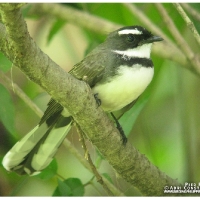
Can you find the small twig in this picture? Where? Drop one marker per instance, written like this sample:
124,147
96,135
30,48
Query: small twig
188,22
83,161
192,11
61,177
179,38
90,182
76,16
13,86
88,158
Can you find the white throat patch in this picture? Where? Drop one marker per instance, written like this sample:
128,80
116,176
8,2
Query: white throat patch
139,52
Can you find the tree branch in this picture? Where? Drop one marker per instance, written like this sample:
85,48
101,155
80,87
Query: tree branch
126,160
89,21
189,54
17,90
83,19
188,22
192,11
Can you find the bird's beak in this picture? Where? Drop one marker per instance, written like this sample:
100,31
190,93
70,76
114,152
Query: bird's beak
152,39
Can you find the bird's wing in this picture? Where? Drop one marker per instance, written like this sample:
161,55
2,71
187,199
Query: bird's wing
92,68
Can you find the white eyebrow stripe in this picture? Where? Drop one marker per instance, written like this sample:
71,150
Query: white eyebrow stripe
130,31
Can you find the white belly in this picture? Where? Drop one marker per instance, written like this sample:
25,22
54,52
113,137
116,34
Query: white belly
126,87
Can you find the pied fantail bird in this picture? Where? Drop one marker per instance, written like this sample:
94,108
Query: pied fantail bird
118,71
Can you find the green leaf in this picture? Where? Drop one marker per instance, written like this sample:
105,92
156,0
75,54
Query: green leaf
128,119
69,187
64,189
26,9
7,110
49,172
76,186
55,28
27,13
5,63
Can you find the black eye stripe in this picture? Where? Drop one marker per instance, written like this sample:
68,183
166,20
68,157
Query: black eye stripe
130,38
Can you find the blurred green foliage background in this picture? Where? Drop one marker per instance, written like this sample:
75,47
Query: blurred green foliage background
166,129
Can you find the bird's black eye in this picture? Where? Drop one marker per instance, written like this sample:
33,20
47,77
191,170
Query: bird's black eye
130,38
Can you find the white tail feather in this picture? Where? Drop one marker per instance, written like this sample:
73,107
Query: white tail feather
18,152
13,160
48,149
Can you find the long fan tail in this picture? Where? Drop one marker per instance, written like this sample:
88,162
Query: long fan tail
36,150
